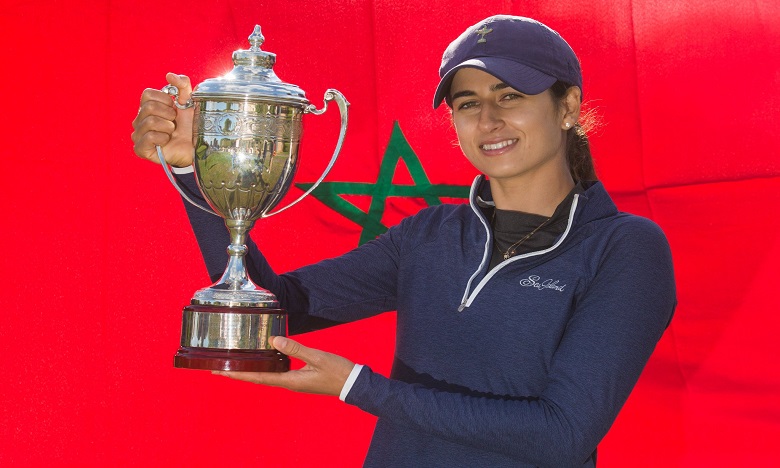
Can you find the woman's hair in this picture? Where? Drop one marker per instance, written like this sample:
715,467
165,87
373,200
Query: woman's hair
577,146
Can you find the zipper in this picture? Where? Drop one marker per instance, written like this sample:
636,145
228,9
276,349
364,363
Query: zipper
469,298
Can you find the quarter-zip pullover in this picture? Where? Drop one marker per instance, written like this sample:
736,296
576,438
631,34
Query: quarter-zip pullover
526,364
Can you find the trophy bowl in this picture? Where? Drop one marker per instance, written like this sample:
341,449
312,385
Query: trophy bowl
247,132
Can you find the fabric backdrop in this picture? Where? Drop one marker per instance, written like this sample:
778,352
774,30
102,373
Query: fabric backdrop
98,258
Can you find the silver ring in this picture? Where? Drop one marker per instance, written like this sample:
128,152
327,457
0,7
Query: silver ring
174,91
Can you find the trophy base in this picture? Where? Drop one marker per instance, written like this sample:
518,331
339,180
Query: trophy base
231,360
231,339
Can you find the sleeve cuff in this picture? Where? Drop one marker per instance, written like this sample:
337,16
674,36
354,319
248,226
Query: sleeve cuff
350,381
183,170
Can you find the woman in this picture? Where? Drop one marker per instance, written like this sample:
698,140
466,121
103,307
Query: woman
524,318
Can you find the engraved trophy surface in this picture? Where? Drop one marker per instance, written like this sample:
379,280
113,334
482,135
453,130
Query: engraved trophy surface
247,132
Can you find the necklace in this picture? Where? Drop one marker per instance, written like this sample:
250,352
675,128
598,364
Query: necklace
513,248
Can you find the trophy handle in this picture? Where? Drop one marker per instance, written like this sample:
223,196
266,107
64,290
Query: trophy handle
176,184
341,101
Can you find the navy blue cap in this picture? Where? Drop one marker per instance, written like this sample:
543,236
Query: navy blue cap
522,52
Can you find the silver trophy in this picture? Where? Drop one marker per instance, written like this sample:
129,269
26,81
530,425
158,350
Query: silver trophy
246,132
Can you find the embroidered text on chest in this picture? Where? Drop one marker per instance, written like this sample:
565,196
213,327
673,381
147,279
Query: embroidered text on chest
533,281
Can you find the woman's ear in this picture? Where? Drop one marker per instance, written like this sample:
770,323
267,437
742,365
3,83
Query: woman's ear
572,103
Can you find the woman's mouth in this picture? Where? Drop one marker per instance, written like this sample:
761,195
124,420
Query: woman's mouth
499,145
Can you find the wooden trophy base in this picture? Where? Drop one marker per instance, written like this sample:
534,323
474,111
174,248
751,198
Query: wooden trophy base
231,360
259,324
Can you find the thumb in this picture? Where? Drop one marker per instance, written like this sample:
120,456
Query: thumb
183,83
291,348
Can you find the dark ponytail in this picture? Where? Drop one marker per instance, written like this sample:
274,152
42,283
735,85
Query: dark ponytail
577,146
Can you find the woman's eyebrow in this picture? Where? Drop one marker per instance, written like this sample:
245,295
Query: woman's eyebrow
461,94
495,87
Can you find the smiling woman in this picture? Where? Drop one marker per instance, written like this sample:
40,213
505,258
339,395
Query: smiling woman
524,319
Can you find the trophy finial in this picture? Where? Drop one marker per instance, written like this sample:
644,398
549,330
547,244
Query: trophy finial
256,39
254,58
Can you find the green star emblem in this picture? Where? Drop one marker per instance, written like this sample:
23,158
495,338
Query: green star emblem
398,148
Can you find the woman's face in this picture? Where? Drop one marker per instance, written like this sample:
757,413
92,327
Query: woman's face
505,134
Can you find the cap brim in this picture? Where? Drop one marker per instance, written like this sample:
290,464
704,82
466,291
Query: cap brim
523,78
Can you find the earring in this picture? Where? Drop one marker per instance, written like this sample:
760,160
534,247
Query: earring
568,124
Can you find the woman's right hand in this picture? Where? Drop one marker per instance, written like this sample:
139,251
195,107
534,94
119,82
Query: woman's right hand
160,123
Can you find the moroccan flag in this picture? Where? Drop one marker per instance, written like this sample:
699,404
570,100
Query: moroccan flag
98,257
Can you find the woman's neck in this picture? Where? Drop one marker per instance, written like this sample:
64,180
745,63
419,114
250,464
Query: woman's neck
540,196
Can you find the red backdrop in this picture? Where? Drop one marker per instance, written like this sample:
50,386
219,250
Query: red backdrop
98,258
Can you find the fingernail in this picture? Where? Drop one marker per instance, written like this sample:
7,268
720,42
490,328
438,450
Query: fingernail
279,342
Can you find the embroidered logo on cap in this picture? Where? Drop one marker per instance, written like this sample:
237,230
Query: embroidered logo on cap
482,33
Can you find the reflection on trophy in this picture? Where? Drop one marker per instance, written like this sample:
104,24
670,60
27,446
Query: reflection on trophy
246,132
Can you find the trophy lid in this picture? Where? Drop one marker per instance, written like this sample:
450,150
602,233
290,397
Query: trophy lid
252,78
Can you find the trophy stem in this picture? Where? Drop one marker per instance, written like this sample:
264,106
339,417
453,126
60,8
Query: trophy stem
235,276
235,288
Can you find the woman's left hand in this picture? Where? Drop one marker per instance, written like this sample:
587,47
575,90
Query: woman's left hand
324,373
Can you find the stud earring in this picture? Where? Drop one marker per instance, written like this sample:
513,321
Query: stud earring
568,124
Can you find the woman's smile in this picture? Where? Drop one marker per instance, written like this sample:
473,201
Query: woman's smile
491,148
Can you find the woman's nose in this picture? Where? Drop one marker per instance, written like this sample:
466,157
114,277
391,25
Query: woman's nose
489,118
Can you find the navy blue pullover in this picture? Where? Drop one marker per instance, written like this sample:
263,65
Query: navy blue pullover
527,364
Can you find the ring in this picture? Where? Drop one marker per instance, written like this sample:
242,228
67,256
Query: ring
174,92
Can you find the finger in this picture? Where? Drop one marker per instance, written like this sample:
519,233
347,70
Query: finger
146,145
183,83
294,349
149,131
152,123
273,379
151,94
162,109
155,110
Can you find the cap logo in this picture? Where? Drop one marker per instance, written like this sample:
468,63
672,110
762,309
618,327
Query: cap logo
482,33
